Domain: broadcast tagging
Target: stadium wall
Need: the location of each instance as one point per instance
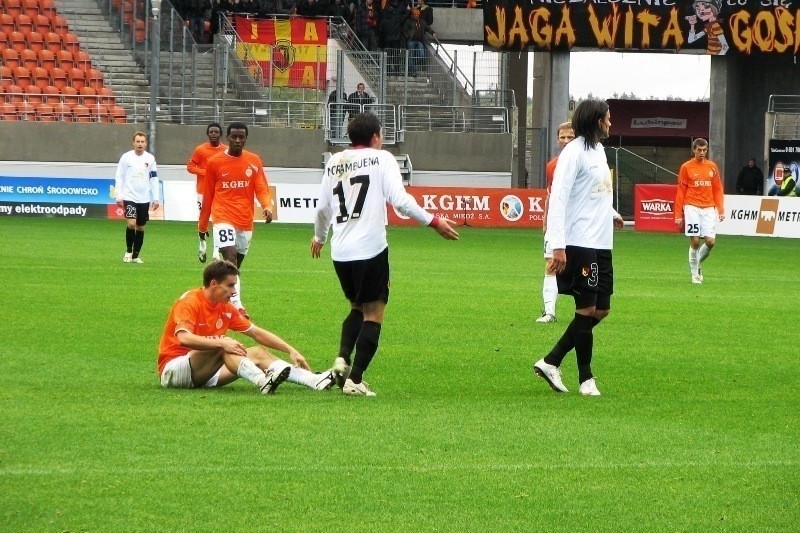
(290, 148)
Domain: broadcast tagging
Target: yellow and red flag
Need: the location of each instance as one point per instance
(291, 52)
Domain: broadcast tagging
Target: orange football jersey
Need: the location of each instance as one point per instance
(197, 163)
(700, 185)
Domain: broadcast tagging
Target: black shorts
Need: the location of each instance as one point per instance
(588, 277)
(366, 280)
(141, 212)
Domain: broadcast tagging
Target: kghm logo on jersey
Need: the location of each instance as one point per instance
(658, 207)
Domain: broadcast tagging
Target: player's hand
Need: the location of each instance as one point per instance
(203, 235)
(267, 215)
(444, 227)
(120, 203)
(298, 360)
(559, 261)
(316, 247)
(155, 205)
(619, 223)
(721, 218)
(679, 222)
(233, 346)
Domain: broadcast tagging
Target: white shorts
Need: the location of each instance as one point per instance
(548, 248)
(178, 374)
(700, 221)
(226, 235)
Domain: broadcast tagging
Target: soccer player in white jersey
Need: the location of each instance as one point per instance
(356, 186)
(136, 185)
(549, 285)
(580, 227)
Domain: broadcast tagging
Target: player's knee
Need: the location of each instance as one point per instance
(710, 242)
(600, 314)
(260, 355)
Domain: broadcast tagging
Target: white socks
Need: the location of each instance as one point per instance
(249, 371)
(694, 264)
(703, 252)
(236, 297)
(549, 294)
(301, 376)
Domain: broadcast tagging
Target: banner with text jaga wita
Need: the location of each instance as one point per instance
(290, 52)
(715, 27)
(484, 207)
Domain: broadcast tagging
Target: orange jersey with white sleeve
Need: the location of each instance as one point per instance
(197, 163)
(193, 312)
(700, 185)
(231, 185)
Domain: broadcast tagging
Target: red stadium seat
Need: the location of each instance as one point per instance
(10, 58)
(94, 78)
(46, 113)
(7, 24)
(81, 113)
(71, 43)
(29, 59)
(22, 77)
(6, 77)
(51, 95)
(58, 78)
(47, 59)
(13, 7)
(8, 111)
(88, 96)
(69, 95)
(106, 96)
(65, 59)
(41, 77)
(53, 42)
(139, 31)
(4, 41)
(63, 112)
(99, 113)
(42, 24)
(24, 24)
(26, 111)
(30, 7)
(59, 25)
(33, 95)
(118, 115)
(47, 8)
(35, 41)
(17, 41)
(15, 94)
(83, 60)
(77, 78)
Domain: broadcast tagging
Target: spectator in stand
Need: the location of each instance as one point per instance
(426, 12)
(312, 8)
(367, 21)
(265, 8)
(285, 7)
(196, 16)
(219, 7)
(415, 29)
(339, 107)
(359, 98)
(393, 17)
(338, 8)
(750, 180)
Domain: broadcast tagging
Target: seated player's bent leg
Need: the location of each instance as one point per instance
(260, 356)
(205, 365)
(178, 374)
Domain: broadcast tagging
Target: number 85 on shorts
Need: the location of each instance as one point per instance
(226, 235)
(700, 221)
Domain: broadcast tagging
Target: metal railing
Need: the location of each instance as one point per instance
(786, 108)
(631, 169)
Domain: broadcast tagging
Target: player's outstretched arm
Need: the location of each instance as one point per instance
(270, 340)
(444, 227)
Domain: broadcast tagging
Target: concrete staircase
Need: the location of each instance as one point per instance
(109, 54)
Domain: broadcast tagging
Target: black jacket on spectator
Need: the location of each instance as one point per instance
(285, 7)
(366, 23)
(393, 17)
(337, 8)
(312, 8)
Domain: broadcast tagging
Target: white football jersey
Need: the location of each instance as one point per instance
(580, 210)
(137, 178)
(356, 186)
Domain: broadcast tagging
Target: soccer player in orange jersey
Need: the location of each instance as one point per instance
(233, 179)
(549, 285)
(197, 166)
(195, 352)
(699, 204)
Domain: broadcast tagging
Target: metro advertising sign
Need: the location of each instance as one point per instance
(714, 27)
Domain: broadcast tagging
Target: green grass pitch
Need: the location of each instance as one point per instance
(697, 429)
